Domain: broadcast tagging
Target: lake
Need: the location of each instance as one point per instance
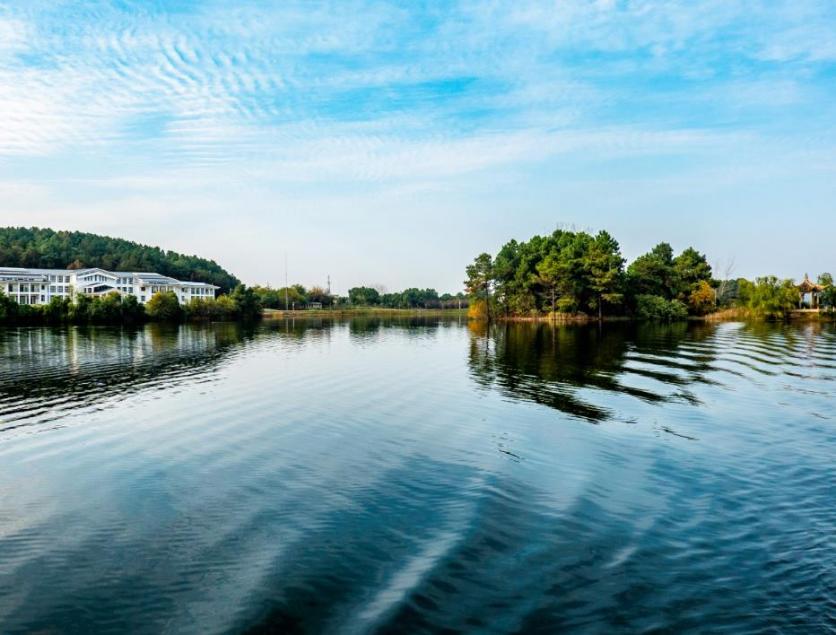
(418, 476)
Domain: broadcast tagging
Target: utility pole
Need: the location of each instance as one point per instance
(286, 305)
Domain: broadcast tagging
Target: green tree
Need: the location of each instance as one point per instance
(247, 304)
(549, 276)
(164, 307)
(654, 273)
(364, 296)
(605, 268)
(690, 268)
(480, 277)
(772, 298)
(654, 307)
(828, 295)
(132, 311)
(8, 308)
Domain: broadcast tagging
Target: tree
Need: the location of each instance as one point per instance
(318, 294)
(654, 273)
(772, 298)
(364, 296)
(165, 307)
(132, 311)
(654, 307)
(828, 295)
(605, 268)
(480, 276)
(702, 299)
(690, 268)
(549, 272)
(247, 304)
(8, 308)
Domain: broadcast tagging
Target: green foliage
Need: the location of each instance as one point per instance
(660, 273)
(654, 307)
(480, 277)
(282, 298)
(576, 271)
(8, 309)
(244, 303)
(605, 267)
(770, 297)
(364, 296)
(247, 303)
(110, 309)
(565, 271)
(828, 296)
(48, 249)
(690, 268)
(164, 307)
(654, 273)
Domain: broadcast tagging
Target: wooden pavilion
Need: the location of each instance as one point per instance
(808, 287)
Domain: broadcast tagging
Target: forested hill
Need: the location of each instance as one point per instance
(48, 249)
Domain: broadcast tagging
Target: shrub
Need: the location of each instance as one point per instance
(654, 307)
(772, 298)
(165, 307)
(478, 310)
(702, 298)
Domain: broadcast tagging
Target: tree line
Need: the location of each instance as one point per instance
(48, 249)
(412, 298)
(577, 272)
(114, 308)
(299, 297)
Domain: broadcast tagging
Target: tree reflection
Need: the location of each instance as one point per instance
(550, 364)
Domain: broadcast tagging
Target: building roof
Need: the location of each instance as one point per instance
(808, 286)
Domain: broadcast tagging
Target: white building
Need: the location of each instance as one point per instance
(39, 286)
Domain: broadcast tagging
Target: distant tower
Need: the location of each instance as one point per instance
(329, 285)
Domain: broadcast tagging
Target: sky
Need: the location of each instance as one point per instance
(388, 143)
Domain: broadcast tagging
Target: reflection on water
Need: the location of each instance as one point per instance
(414, 476)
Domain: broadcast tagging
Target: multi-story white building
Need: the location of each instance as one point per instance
(39, 286)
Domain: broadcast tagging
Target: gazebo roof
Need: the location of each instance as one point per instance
(808, 286)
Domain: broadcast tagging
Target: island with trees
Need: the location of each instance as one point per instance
(572, 276)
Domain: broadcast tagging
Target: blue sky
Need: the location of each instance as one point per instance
(388, 143)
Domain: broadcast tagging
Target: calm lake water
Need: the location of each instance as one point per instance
(418, 476)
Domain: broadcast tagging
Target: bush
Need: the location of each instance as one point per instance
(702, 298)
(165, 307)
(478, 310)
(772, 298)
(654, 307)
(211, 309)
(243, 304)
